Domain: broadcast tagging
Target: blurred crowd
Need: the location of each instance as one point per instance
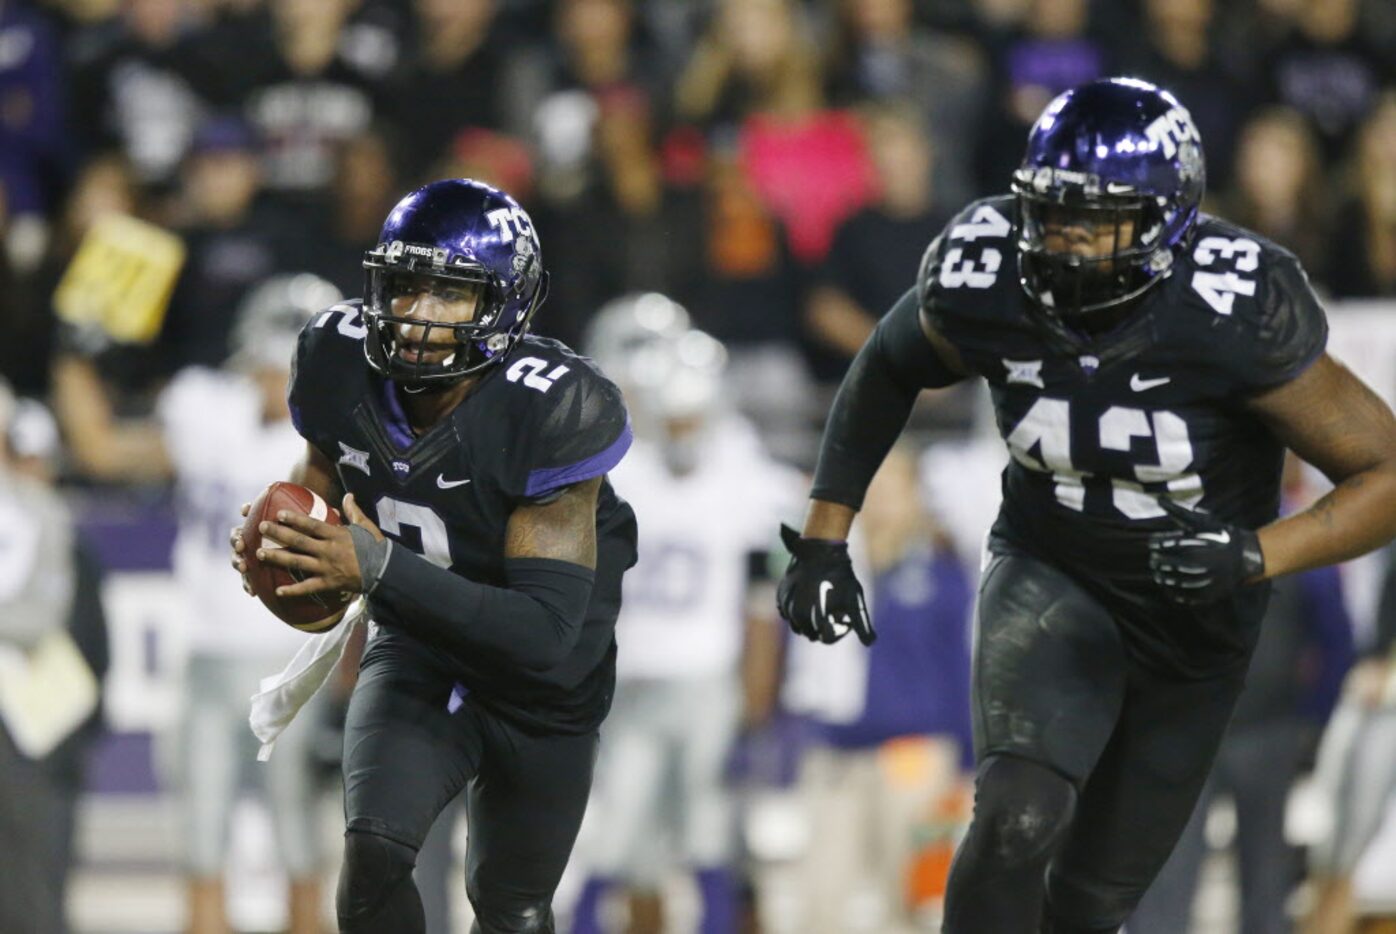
(774, 167)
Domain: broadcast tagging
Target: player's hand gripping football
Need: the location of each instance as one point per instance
(1204, 560)
(820, 596)
(322, 553)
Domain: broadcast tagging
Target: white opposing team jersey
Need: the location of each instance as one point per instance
(685, 601)
(223, 455)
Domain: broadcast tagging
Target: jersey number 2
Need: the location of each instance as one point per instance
(1047, 427)
(393, 514)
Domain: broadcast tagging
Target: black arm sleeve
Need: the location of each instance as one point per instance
(874, 402)
(533, 623)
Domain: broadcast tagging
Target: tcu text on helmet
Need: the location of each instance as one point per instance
(1172, 130)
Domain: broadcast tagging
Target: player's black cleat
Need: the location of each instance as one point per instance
(1205, 559)
(820, 596)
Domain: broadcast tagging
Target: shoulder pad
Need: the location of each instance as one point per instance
(577, 426)
(329, 361)
(1276, 323)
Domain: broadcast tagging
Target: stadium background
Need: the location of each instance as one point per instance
(760, 161)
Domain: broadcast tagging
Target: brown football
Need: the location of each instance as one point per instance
(308, 614)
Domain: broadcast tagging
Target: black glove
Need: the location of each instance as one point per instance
(1206, 559)
(819, 596)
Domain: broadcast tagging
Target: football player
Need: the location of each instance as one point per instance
(225, 434)
(488, 542)
(696, 623)
(1148, 364)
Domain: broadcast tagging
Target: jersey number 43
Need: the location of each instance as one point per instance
(1042, 441)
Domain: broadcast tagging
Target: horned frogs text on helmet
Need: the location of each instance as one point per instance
(270, 318)
(453, 235)
(1115, 155)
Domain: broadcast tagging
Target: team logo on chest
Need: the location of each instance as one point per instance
(401, 468)
(353, 457)
(1026, 372)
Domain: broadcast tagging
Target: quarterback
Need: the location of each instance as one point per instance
(1148, 365)
(488, 541)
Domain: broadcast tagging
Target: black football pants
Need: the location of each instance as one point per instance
(1089, 764)
(406, 756)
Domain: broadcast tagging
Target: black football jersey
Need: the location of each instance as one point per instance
(544, 419)
(1099, 428)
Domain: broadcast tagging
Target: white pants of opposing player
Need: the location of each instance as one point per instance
(660, 803)
(1357, 772)
(216, 754)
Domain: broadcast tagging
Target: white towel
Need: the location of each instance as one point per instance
(282, 695)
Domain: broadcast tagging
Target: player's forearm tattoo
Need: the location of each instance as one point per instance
(1323, 509)
(564, 529)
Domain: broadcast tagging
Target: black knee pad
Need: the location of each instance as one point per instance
(375, 885)
(1021, 810)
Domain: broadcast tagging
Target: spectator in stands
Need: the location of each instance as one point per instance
(1280, 190)
(1363, 261)
(652, 225)
(450, 81)
(365, 183)
(557, 94)
(230, 239)
(1052, 50)
(304, 91)
(1183, 51)
(226, 434)
(23, 316)
(891, 722)
(1357, 770)
(750, 296)
(32, 143)
(139, 86)
(1329, 68)
(758, 71)
(879, 54)
(1295, 675)
(39, 582)
(877, 251)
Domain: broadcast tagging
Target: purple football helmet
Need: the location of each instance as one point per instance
(452, 238)
(1119, 161)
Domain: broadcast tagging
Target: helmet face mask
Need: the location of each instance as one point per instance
(1085, 256)
(1108, 195)
(452, 286)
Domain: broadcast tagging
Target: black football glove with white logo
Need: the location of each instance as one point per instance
(820, 596)
(1205, 559)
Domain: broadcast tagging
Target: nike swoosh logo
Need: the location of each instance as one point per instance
(1139, 385)
(1221, 538)
(445, 484)
(825, 587)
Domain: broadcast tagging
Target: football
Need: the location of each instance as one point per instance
(308, 614)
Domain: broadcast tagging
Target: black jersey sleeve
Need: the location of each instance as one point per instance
(577, 430)
(1282, 331)
(874, 402)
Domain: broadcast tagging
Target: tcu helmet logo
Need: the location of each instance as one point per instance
(1172, 131)
(510, 222)
(393, 253)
